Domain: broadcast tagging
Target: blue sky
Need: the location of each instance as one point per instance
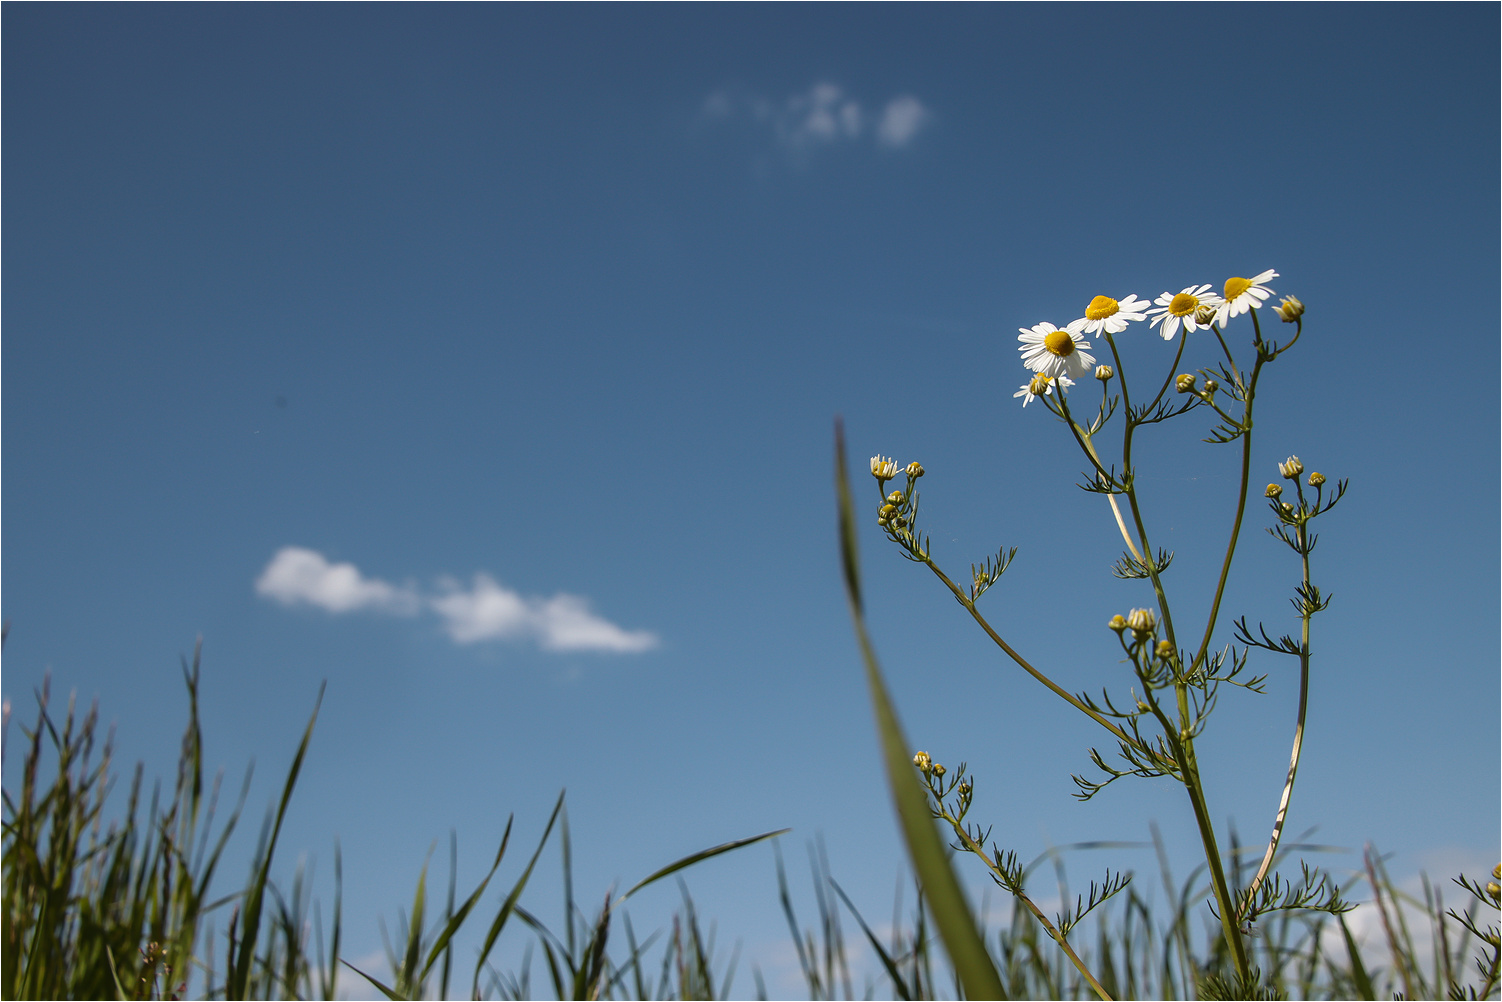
(483, 361)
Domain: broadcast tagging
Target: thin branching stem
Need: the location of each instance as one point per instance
(1063, 694)
(1298, 730)
(1184, 747)
(1043, 919)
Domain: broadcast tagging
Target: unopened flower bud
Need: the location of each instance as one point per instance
(1104, 372)
(1287, 508)
(923, 762)
(1185, 383)
(1273, 490)
(1316, 479)
(1142, 707)
(1211, 386)
(1290, 309)
(882, 468)
(1493, 890)
(914, 470)
(1204, 315)
(895, 497)
(1291, 468)
(1142, 621)
(1165, 649)
(888, 510)
(1118, 622)
(1038, 386)
(900, 521)
(939, 770)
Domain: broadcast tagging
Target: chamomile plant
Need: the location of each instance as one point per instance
(1080, 372)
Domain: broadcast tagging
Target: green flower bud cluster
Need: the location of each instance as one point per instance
(897, 508)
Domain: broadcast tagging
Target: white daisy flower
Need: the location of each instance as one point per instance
(1244, 294)
(1040, 386)
(1183, 308)
(1105, 313)
(883, 469)
(1054, 352)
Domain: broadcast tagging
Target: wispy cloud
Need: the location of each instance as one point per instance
(489, 611)
(901, 121)
(297, 576)
(485, 611)
(824, 115)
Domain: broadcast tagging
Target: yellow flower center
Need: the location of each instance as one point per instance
(1101, 307)
(1038, 385)
(1236, 286)
(1060, 343)
(1184, 304)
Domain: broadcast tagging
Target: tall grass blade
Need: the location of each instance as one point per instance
(509, 906)
(238, 983)
(972, 964)
(699, 857)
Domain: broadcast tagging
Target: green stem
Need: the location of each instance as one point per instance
(1021, 661)
(1298, 734)
(1249, 393)
(1048, 926)
(1184, 747)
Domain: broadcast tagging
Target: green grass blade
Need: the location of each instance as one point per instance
(886, 961)
(516, 892)
(972, 964)
(699, 857)
(1359, 976)
(385, 990)
(456, 918)
(239, 981)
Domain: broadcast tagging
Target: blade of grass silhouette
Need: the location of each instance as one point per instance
(973, 967)
(239, 981)
(509, 905)
(881, 954)
(697, 857)
(1362, 980)
(456, 918)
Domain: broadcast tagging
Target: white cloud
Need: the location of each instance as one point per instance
(490, 611)
(485, 611)
(823, 115)
(300, 576)
(901, 120)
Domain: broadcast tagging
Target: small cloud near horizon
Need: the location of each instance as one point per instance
(486, 611)
(824, 115)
